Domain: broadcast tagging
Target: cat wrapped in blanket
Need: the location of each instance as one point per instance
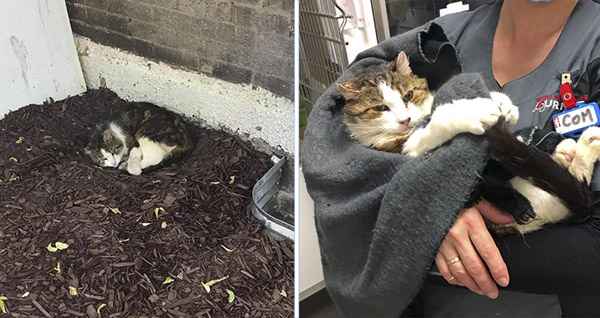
(392, 110)
(139, 137)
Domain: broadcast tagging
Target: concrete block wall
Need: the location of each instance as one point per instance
(240, 41)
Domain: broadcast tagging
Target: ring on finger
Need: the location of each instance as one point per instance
(451, 278)
(454, 260)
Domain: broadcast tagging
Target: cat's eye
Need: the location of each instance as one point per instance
(381, 108)
(408, 96)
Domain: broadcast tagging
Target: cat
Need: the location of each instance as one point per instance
(392, 110)
(578, 157)
(139, 137)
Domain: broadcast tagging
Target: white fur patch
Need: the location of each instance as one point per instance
(153, 153)
(400, 111)
(418, 113)
(509, 111)
(461, 116)
(110, 159)
(117, 132)
(565, 152)
(391, 97)
(587, 153)
(547, 207)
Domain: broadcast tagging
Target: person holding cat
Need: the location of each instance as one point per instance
(390, 160)
(521, 47)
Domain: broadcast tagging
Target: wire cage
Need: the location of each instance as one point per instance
(322, 49)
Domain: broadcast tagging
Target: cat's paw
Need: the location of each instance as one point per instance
(135, 154)
(504, 229)
(524, 216)
(509, 111)
(418, 143)
(516, 228)
(587, 153)
(565, 152)
(590, 138)
(529, 227)
(475, 115)
(412, 149)
(135, 170)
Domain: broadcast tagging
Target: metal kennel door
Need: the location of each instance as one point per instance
(322, 48)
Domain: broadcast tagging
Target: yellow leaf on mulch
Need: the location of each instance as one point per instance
(230, 296)
(61, 246)
(3, 309)
(158, 211)
(168, 280)
(57, 246)
(115, 210)
(213, 282)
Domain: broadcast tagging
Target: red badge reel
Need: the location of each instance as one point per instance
(566, 91)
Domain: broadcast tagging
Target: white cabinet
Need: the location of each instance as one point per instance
(310, 269)
(38, 58)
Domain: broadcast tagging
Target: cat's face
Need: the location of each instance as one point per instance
(382, 109)
(107, 147)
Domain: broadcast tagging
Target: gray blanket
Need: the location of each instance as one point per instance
(381, 216)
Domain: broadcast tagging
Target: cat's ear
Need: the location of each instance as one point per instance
(349, 89)
(401, 64)
(107, 136)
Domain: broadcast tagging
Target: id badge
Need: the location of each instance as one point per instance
(571, 122)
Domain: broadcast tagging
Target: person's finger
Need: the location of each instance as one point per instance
(493, 214)
(488, 251)
(469, 257)
(440, 262)
(477, 271)
(457, 269)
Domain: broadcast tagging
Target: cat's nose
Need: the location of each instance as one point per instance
(404, 121)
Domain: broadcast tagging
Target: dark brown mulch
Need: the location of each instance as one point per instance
(119, 254)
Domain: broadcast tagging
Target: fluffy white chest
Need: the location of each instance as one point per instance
(152, 153)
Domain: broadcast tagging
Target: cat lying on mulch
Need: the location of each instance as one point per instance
(140, 137)
(391, 111)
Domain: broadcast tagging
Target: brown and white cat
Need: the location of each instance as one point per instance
(140, 137)
(391, 110)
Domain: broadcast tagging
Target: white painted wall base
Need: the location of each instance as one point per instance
(253, 111)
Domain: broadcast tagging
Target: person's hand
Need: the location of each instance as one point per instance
(468, 253)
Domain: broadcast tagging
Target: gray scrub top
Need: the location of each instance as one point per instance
(537, 96)
(577, 51)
